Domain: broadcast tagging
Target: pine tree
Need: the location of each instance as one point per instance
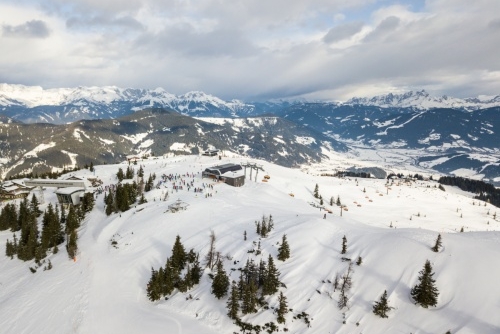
(316, 191)
(381, 307)
(34, 206)
(179, 256)
(282, 308)
(220, 284)
(321, 200)
(120, 175)
(168, 279)
(142, 200)
(72, 246)
(109, 200)
(344, 245)
(91, 167)
(196, 271)
(249, 298)
(271, 281)
(140, 173)
(233, 304)
(284, 249)
(338, 201)
(72, 221)
(425, 292)
(438, 244)
(332, 201)
(153, 288)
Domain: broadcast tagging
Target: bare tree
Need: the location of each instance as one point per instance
(210, 258)
(345, 285)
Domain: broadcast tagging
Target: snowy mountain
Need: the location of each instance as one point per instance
(390, 227)
(42, 147)
(65, 105)
(423, 101)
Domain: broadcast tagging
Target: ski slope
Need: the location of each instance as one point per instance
(104, 290)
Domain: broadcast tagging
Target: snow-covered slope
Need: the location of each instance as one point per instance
(104, 290)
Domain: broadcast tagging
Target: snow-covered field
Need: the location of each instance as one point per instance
(104, 291)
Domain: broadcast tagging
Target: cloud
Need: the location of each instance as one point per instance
(30, 29)
(256, 49)
(104, 22)
(387, 26)
(341, 32)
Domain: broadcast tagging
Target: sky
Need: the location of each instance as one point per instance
(255, 50)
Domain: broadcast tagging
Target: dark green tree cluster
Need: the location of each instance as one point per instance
(182, 271)
(485, 191)
(88, 202)
(284, 249)
(244, 295)
(129, 173)
(31, 245)
(121, 198)
(316, 191)
(265, 226)
(425, 292)
(148, 186)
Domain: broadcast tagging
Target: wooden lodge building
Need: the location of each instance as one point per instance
(231, 174)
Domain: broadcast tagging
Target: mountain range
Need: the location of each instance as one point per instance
(449, 135)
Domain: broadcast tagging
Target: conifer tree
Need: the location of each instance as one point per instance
(72, 246)
(142, 200)
(282, 308)
(34, 206)
(153, 287)
(140, 173)
(271, 281)
(109, 200)
(316, 191)
(284, 249)
(196, 271)
(381, 307)
(168, 279)
(332, 201)
(179, 256)
(120, 175)
(91, 167)
(425, 292)
(338, 201)
(344, 245)
(220, 284)
(321, 200)
(438, 244)
(263, 229)
(257, 225)
(233, 304)
(249, 298)
(72, 221)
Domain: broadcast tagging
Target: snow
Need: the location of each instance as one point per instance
(181, 147)
(305, 140)
(104, 290)
(137, 137)
(106, 141)
(39, 148)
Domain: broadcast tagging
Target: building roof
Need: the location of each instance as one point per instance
(221, 169)
(69, 190)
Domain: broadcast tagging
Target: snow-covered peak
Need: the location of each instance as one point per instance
(423, 100)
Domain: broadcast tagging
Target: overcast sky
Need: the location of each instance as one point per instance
(255, 49)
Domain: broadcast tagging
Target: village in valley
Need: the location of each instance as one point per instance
(352, 238)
